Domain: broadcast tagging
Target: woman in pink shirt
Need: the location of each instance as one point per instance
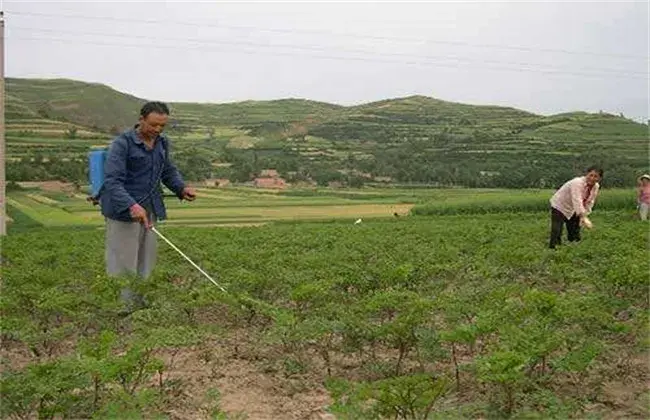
(643, 196)
(572, 203)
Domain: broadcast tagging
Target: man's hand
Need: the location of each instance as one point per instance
(189, 194)
(139, 214)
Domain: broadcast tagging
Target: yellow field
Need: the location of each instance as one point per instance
(276, 213)
(214, 207)
(242, 142)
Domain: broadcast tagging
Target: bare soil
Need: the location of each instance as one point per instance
(251, 385)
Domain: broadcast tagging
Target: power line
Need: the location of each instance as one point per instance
(319, 48)
(328, 33)
(330, 57)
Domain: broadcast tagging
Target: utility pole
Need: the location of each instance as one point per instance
(3, 184)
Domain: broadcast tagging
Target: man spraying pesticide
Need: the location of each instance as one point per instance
(130, 196)
(125, 182)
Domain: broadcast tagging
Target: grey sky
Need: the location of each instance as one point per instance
(502, 53)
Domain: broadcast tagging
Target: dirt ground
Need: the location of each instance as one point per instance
(53, 186)
(250, 380)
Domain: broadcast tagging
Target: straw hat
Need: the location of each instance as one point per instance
(646, 176)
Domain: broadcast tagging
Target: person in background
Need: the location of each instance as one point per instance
(131, 200)
(572, 203)
(643, 196)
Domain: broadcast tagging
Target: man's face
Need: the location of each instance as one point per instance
(592, 178)
(153, 124)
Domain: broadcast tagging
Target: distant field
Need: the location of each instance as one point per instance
(246, 206)
(213, 207)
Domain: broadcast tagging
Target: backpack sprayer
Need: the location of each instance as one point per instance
(96, 160)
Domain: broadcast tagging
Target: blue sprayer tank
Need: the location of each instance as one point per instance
(96, 161)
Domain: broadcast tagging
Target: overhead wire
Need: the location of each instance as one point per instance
(320, 48)
(620, 75)
(221, 25)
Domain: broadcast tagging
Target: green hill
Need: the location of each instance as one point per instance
(88, 104)
(415, 139)
(251, 112)
(425, 110)
(97, 105)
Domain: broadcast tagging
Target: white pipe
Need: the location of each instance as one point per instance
(187, 258)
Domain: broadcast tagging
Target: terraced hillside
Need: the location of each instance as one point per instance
(408, 140)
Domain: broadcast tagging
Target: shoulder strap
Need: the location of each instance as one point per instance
(162, 168)
(165, 148)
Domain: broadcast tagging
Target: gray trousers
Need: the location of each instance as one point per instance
(130, 250)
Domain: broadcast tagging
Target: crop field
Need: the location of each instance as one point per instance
(454, 310)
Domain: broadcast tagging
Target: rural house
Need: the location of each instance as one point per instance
(269, 178)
